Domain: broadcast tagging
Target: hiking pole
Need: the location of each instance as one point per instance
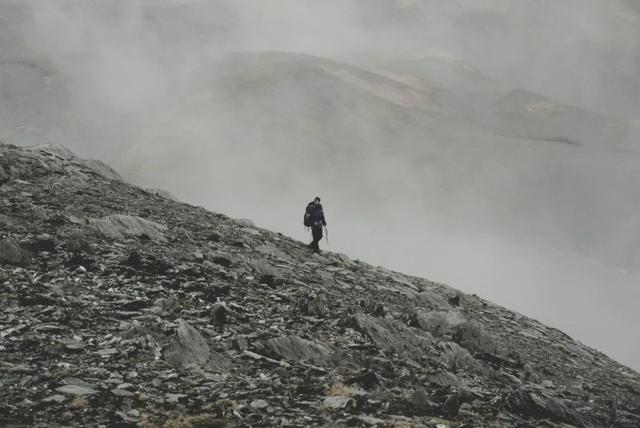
(326, 231)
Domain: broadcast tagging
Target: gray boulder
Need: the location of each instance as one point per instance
(439, 323)
(12, 253)
(455, 358)
(538, 405)
(472, 337)
(294, 348)
(120, 226)
(393, 337)
(188, 349)
(64, 154)
(432, 299)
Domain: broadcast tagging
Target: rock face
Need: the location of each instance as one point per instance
(12, 253)
(70, 160)
(122, 308)
(188, 348)
(119, 226)
(293, 348)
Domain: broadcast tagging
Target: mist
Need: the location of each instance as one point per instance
(490, 145)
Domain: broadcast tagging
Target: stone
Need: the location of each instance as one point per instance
(220, 313)
(273, 251)
(120, 226)
(122, 393)
(294, 348)
(457, 300)
(268, 279)
(175, 398)
(107, 352)
(542, 406)
(77, 244)
(76, 390)
(259, 404)
(432, 299)
(164, 306)
(245, 222)
(367, 380)
(455, 357)
(54, 149)
(371, 421)
(313, 305)
(262, 267)
(72, 344)
(444, 380)
(439, 323)
(454, 402)
(12, 253)
(101, 169)
(187, 348)
(56, 398)
(421, 403)
(213, 237)
(61, 152)
(471, 336)
(134, 260)
(222, 260)
(392, 336)
(337, 402)
(41, 244)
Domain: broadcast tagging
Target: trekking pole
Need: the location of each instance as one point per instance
(326, 231)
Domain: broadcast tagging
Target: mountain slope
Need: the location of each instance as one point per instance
(123, 307)
(475, 149)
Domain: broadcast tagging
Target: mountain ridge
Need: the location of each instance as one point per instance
(123, 307)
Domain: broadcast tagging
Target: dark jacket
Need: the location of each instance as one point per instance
(316, 213)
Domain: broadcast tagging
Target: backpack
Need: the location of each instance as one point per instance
(307, 219)
(313, 215)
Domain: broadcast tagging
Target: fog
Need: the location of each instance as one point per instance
(491, 145)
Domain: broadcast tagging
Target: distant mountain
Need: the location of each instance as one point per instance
(122, 307)
(584, 53)
(511, 112)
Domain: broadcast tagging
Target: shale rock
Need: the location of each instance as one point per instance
(439, 323)
(119, 226)
(539, 405)
(393, 337)
(12, 253)
(293, 348)
(189, 349)
(123, 308)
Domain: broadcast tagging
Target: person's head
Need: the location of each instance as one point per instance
(316, 200)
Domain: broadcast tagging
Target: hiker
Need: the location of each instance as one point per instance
(314, 218)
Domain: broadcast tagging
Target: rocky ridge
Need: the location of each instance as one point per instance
(123, 307)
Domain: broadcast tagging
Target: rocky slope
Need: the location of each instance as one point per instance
(122, 307)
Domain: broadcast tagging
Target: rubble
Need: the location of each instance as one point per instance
(294, 348)
(123, 308)
(188, 348)
(11, 252)
(119, 226)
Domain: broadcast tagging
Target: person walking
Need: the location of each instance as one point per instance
(314, 218)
